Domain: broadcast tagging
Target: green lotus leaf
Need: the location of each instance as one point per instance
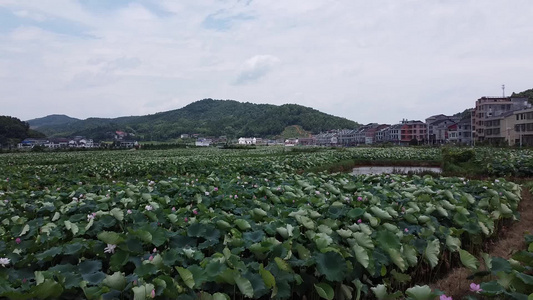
(306, 222)
(268, 278)
(242, 224)
(196, 230)
(390, 227)
(400, 277)
(26, 228)
(325, 291)
(410, 254)
(74, 248)
(492, 288)
(350, 187)
(361, 255)
(49, 254)
(90, 266)
(387, 239)
(431, 252)
(110, 237)
(220, 296)
(116, 281)
(344, 233)
(146, 269)
(499, 264)
(397, 258)
(143, 235)
(282, 265)
(380, 213)
(47, 289)
(142, 292)
(355, 213)
(420, 293)
(363, 240)
(245, 286)
(223, 225)
(325, 229)
(380, 291)
(94, 278)
(70, 226)
(254, 236)
(117, 213)
(118, 259)
(332, 265)
(527, 279)
(468, 260)
(303, 252)
(186, 276)
(453, 243)
(258, 212)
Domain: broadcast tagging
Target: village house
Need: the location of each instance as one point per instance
(203, 142)
(489, 108)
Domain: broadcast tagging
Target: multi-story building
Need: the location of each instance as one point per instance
(393, 134)
(413, 130)
(489, 109)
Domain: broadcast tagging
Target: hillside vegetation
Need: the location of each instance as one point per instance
(206, 117)
(13, 130)
(526, 94)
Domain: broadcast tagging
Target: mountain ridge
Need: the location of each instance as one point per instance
(207, 117)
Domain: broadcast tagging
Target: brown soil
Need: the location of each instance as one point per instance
(457, 285)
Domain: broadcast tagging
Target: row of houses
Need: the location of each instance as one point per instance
(77, 142)
(57, 143)
(493, 120)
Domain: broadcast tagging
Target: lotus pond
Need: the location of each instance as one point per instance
(221, 224)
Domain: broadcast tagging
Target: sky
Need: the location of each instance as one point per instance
(368, 61)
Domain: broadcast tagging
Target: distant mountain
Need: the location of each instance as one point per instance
(51, 120)
(206, 117)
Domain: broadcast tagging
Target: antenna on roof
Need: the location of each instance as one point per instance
(503, 90)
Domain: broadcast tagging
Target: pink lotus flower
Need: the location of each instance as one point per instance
(152, 294)
(129, 211)
(359, 221)
(215, 189)
(151, 258)
(18, 240)
(195, 212)
(444, 297)
(173, 209)
(406, 230)
(186, 219)
(475, 287)
(155, 250)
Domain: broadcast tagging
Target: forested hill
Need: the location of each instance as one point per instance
(526, 94)
(51, 120)
(207, 117)
(13, 130)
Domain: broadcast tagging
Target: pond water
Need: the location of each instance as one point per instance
(393, 170)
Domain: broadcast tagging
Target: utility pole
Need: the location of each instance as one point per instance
(503, 90)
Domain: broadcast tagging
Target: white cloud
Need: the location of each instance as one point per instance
(369, 61)
(256, 67)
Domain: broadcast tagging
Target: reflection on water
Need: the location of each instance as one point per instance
(394, 170)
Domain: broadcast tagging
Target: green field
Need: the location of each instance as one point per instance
(233, 224)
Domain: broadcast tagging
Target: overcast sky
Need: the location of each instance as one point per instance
(368, 61)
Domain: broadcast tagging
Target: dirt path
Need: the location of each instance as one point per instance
(456, 283)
